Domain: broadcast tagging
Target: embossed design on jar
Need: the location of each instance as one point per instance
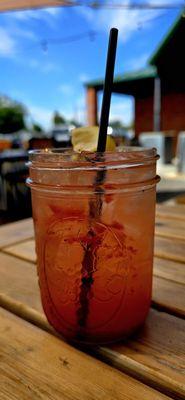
(64, 249)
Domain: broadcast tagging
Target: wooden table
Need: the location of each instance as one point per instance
(36, 364)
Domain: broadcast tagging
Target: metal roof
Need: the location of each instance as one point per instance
(9, 5)
(151, 70)
(180, 19)
(145, 73)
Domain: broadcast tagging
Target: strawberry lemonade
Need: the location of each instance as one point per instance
(94, 239)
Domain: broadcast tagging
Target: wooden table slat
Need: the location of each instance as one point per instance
(154, 356)
(16, 232)
(151, 351)
(19, 281)
(14, 297)
(169, 296)
(170, 270)
(170, 228)
(164, 247)
(170, 249)
(37, 365)
(24, 250)
(171, 212)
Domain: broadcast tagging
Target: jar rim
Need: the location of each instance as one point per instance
(66, 158)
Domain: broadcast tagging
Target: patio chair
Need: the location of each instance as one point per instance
(154, 139)
(5, 144)
(15, 193)
(40, 143)
(181, 152)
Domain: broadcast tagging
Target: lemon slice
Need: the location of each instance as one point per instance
(86, 139)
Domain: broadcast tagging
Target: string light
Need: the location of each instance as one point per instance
(45, 43)
(132, 5)
(91, 34)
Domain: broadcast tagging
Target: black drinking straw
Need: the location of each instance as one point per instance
(107, 90)
(95, 205)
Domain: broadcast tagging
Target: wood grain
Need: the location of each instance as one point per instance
(24, 250)
(172, 212)
(156, 355)
(28, 307)
(170, 270)
(19, 281)
(170, 228)
(16, 232)
(165, 245)
(37, 365)
(24, 287)
(150, 353)
(170, 249)
(169, 296)
(161, 368)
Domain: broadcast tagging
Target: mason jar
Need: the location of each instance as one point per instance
(94, 229)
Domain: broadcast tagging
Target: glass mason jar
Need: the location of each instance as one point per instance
(94, 229)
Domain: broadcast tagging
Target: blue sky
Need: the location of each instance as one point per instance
(46, 74)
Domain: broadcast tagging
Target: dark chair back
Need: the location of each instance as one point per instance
(40, 143)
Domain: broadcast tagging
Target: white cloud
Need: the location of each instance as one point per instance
(48, 15)
(23, 33)
(136, 63)
(44, 115)
(122, 108)
(83, 77)
(49, 66)
(32, 63)
(10, 43)
(80, 101)
(41, 115)
(126, 116)
(66, 89)
(43, 66)
(163, 2)
(126, 20)
(54, 11)
(7, 43)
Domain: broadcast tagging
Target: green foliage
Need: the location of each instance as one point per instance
(75, 123)
(58, 118)
(37, 128)
(118, 124)
(11, 116)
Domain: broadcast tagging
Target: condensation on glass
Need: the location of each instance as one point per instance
(94, 229)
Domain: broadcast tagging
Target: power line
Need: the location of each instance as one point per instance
(45, 43)
(130, 6)
(73, 38)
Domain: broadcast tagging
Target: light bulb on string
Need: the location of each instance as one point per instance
(92, 36)
(44, 46)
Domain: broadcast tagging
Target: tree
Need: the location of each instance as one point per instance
(37, 128)
(116, 124)
(58, 118)
(12, 115)
(75, 123)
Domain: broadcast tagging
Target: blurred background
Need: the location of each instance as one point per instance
(52, 61)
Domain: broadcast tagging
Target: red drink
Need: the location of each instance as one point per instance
(95, 268)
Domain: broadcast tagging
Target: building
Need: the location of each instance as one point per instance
(158, 90)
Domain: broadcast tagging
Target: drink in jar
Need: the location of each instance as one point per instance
(94, 241)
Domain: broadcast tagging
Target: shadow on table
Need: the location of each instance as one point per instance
(164, 196)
